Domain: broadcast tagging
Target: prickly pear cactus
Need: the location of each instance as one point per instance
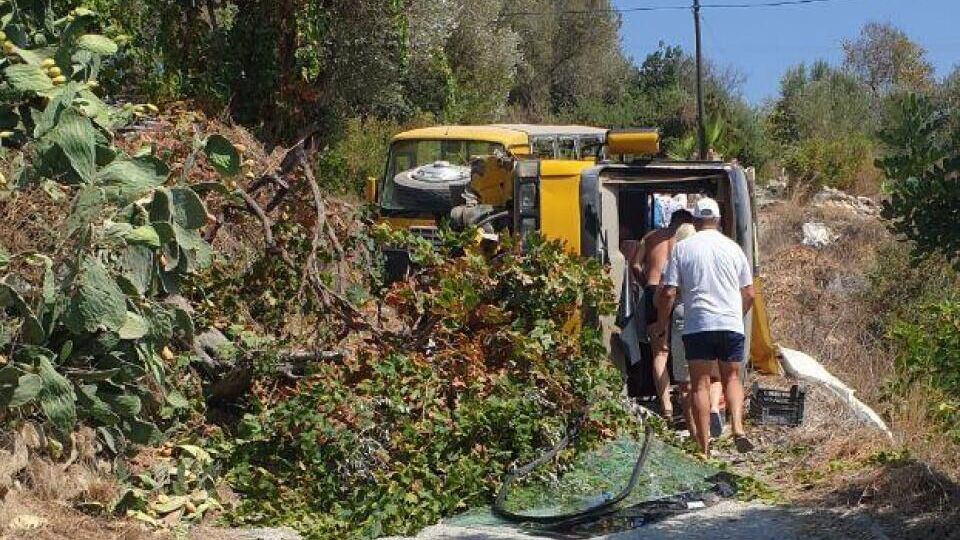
(91, 342)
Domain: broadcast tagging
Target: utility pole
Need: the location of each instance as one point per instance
(701, 129)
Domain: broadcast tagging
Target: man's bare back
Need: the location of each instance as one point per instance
(651, 259)
(649, 263)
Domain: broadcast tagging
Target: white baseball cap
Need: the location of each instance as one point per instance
(706, 208)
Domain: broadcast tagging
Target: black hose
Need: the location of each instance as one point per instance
(601, 509)
(491, 217)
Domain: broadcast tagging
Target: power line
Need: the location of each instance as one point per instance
(596, 11)
(766, 4)
(743, 5)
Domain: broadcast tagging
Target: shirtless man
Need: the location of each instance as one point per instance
(648, 264)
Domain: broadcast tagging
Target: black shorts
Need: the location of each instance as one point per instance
(721, 345)
(649, 307)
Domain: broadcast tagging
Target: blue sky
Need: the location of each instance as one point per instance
(762, 42)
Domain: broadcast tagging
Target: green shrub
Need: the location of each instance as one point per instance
(912, 133)
(820, 161)
(915, 302)
(921, 167)
(360, 152)
(899, 282)
(928, 354)
(424, 424)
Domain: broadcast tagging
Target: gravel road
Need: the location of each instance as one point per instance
(728, 520)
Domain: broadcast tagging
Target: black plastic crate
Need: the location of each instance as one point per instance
(777, 407)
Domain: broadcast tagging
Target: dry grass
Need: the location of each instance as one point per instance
(817, 304)
(867, 181)
(813, 295)
(38, 502)
(32, 222)
(60, 522)
(47, 489)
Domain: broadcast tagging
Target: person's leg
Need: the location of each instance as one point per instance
(716, 390)
(733, 390)
(716, 394)
(733, 355)
(661, 377)
(686, 401)
(700, 398)
(658, 345)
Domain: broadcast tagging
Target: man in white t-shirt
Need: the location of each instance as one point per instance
(715, 283)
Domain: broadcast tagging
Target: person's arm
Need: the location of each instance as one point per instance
(747, 294)
(636, 262)
(745, 276)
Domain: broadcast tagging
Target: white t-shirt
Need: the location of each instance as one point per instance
(709, 270)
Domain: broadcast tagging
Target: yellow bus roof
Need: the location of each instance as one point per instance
(506, 134)
(550, 129)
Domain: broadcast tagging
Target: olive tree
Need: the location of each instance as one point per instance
(883, 57)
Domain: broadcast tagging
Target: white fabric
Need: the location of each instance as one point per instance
(680, 200)
(706, 208)
(672, 204)
(803, 366)
(709, 270)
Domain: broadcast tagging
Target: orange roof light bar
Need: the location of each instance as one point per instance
(641, 141)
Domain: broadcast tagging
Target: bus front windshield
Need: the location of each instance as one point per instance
(409, 154)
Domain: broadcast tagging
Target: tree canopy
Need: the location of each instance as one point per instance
(883, 57)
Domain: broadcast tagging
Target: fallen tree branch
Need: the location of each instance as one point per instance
(302, 357)
(354, 318)
(264, 179)
(357, 317)
(262, 216)
(296, 152)
(321, 218)
(320, 207)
